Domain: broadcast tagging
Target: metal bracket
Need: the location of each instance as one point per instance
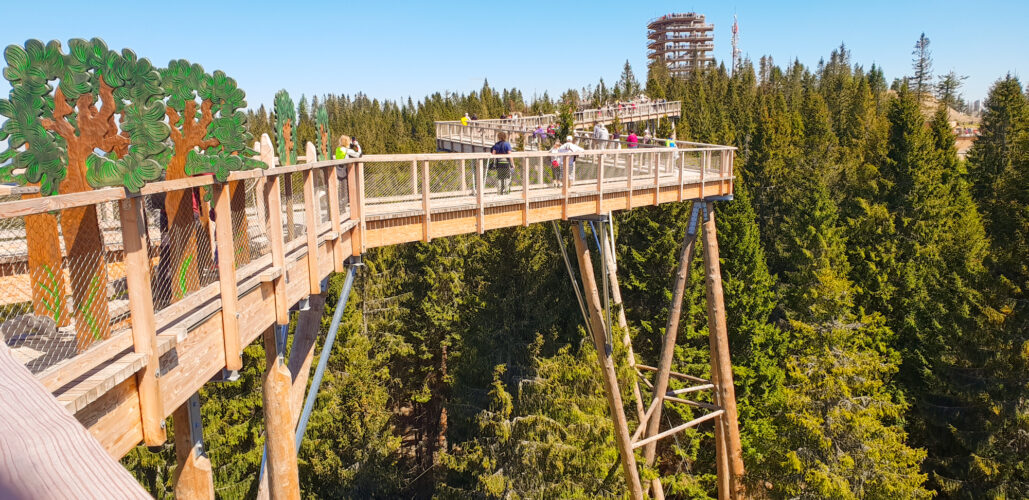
(355, 260)
(589, 218)
(196, 425)
(727, 197)
(226, 376)
(695, 216)
(281, 333)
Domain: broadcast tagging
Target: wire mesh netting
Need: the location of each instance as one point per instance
(322, 195)
(294, 223)
(62, 282)
(392, 184)
(180, 239)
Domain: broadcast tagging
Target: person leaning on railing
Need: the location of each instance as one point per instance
(344, 151)
(502, 164)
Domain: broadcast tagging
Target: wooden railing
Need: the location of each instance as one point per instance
(281, 231)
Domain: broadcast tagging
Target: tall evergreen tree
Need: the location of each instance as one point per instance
(921, 81)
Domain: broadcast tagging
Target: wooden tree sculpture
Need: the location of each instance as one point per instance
(324, 138)
(229, 152)
(286, 141)
(61, 134)
(208, 137)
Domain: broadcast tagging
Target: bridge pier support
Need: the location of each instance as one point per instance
(664, 365)
(727, 432)
(283, 474)
(193, 479)
(607, 365)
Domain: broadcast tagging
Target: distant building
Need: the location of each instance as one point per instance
(681, 41)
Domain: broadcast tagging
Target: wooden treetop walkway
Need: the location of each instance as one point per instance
(289, 227)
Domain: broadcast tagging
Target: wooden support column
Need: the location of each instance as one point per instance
(311, 220)
(664, 365)
(600, 185)
(282, 471)
(720, 354)
(616, 296)
(273, 199)
(227, 277)
(301, 354)
(607, 367)
(335, 213)
(144, 329)
(355, 187)
(426, 192)
(193, 479)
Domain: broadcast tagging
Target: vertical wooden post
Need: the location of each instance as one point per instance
(193, 479)
(607, 367)
(729, 169)
(464, 181)
(283, 474)
(227, 277)
(664, 366)
(480, 186)
(564, 188)
(539, 172)
(657, 176)
(262, 209)
(414, 177)
(720, 355)
(681, 158)
(525, 190)
(273, 199)
(629, 168)
(356, 200)
(600, 185)
(311, 219)
(144, 328)
(705, 160)
(426, 193)
(332, 191)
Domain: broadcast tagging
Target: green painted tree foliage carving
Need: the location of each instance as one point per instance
(285, 128)
(228, 128)
(324, 135)
(215, 126)
(63, 128)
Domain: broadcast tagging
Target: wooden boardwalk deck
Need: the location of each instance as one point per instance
(196, 338)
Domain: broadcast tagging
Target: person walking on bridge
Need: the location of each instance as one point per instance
(600, 136)
(632, 140)
(464, 120)
(570, 147)
(503, 164)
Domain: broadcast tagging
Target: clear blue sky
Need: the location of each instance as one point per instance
(405, 49)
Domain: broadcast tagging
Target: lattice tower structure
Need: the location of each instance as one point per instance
(682, 41)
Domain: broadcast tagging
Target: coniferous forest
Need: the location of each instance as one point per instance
(876, 287)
